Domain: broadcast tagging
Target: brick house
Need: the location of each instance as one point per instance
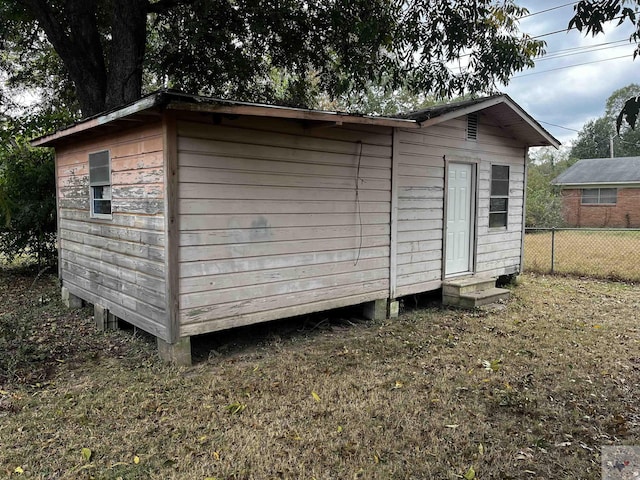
(601, 192)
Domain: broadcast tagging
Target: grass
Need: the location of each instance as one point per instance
(606, 254)
(529, 390)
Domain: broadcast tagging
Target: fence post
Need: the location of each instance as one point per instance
(553, 247)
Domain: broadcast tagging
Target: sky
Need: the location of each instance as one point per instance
(557, 91)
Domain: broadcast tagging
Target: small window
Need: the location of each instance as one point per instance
(472, 126)
(599, 196)
(499, 200)
(100, 184)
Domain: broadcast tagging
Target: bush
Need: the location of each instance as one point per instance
(27, 203)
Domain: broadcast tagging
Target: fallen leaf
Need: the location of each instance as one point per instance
(236, 407)
(315, 396)
(339, 428)
(493, 365)
(87, 454)
(136, 459)
(398, 385)
(481, 449)
(19, 470)
(563, 444)
(471, 474)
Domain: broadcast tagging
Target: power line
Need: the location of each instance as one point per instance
(581, 52)
(547, 10)
(559, 126)
(570, 66)
(588, 46)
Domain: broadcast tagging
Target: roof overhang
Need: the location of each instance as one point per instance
(598, 185)
(154, 103)
(508, 115)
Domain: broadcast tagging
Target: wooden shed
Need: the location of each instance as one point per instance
(184, 215)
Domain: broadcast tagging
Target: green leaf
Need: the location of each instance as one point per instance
(470, 475)
(87, 454)
(493, 365)
(236, 407)
(315, 396)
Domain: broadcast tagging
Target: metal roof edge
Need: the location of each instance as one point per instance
(145, 103)
(180, 101)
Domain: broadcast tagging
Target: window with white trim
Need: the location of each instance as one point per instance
(100, 184)
(599, 196)
(499, 199)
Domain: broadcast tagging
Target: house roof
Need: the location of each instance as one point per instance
(592, 171)
(509, 115)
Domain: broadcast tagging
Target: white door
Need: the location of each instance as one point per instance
(459, 221)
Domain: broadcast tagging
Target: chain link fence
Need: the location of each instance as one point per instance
(597, 252)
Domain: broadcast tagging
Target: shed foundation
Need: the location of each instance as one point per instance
(178, 353)
(70, 300)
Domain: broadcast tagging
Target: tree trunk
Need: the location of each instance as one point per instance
(126, 53)
(73, 30)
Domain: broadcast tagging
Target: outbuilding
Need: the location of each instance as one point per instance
(184, 215)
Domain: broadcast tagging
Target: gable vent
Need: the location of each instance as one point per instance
(472, 126)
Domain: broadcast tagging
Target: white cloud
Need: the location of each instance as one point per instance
(571, 95)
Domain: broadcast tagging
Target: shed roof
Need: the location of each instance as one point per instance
(510, 116)
(591, 171)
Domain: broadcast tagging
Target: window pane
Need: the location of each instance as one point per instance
(500, 187)
(102, 207)
(498, 205)
(608, 195)
(497, 220)
(102, 192)
(101, 197)
(590, 195)
(500, 180)
(500, 172)
(99, 168)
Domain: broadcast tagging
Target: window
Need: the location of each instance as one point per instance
(499, 200)
(472, 126)
(599, 196)
(100, 184)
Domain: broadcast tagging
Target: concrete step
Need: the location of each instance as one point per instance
(463, 285)
(477, 299)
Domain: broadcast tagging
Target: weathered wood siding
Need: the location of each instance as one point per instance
(421, 200)
(279, 220)
(498, 249)
(117, 262)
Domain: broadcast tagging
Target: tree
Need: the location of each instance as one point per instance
(595, 137)
(27, 202)
(27, 181)
(591, 16)
(593, 140)
(544, 204)
(108, 49)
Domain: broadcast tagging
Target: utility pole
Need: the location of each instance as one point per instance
(611, 145)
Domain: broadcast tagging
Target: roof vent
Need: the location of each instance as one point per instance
(472, 126)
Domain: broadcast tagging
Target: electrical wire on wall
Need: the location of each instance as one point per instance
(358, 209)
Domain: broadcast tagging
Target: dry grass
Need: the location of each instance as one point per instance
(606, 254)
(410, 398)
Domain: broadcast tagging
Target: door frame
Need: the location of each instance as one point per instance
(473, 223)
